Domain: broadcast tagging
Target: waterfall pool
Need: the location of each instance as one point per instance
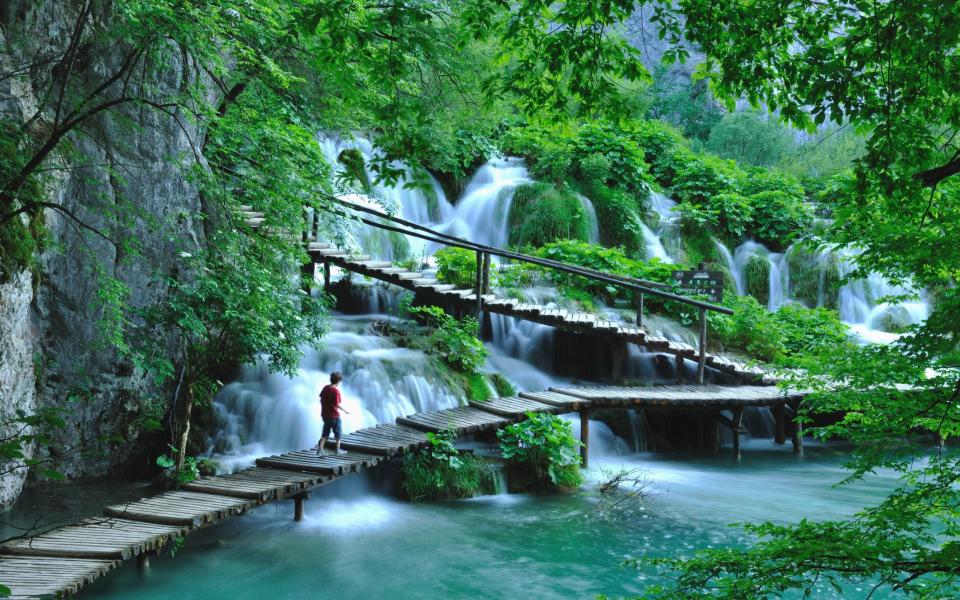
(357, 544)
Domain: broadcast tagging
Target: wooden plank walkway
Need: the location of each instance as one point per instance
(576, 322)
(61, 561)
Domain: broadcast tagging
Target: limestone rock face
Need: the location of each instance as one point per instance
(126, 162)
(17, 381)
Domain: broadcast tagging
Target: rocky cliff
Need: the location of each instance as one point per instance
(121, 174)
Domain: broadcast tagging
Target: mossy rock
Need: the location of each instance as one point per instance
(757, 278)
(503, 387)
(542, 213)
(808, 271)
(895, 319)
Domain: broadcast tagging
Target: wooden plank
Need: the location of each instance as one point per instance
(190, 509)
(41, 576)
(107, 539)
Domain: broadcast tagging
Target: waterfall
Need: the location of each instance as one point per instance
(667, 228)
(861, 304)
(264, 413)
(482, 213)
(593, 224)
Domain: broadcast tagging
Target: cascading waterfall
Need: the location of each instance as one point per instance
(264, 413)
(482, 213)
(667, 229)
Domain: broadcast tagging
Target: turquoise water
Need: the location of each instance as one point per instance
(356, 544)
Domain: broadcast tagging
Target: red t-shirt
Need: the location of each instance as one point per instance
(329, 401)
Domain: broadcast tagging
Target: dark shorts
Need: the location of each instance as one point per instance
(333, 425)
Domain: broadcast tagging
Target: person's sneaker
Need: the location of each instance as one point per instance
(341, 451)
(320, 451)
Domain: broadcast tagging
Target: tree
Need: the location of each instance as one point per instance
(889, 70)
(749, 137)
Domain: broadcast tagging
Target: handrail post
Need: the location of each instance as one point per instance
(478, 284)
(702, 359)
(640, 312)
(486, 273)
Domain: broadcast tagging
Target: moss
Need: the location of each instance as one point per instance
(502, 386)
(477, 387)
(811, 270)
(542, 213)
(757, 278)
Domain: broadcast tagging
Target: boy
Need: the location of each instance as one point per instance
(330, 411)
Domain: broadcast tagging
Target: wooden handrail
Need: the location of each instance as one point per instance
(425, 233)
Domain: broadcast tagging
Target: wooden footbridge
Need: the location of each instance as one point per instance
(59, 562)
(479, 298)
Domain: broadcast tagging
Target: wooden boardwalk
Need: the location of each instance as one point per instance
(61, 561)
(573, 321)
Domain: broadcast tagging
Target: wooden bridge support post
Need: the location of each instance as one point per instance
(326, 275)
(780, 423)
(584, 438)
(735, 429)
(797, 437)
(143, 561)
(640, 311)
(298, 505)
(478, 285)
(307, 274)
(485, 282)
(681, 369)
(702, 357)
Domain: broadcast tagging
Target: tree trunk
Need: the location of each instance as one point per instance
(185, 429)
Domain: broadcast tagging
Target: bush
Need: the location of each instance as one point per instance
(623, 158)
(729, 215)
(456, 342)
(698, 178)
(750, 137)
(540, 213)
(457, 266)
(811, 270)
(542, 453)
(441, 472)
(757, 278)
(609, 260)
(782, 337)
(779, 218)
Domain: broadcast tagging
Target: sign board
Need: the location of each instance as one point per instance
(705, 283)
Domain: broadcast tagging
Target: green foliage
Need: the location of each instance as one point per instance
(502, 385)
(751, 138)
(457, 266)
(779, 218)
(729, 215)
(757, 278)
(813, 275)
(684, 103)
(456, 342)
(440, 471)
(543, 449)
(25, 433)
(697, 178)
(785, 337)
(187, 471)
(541, 213)
(610, 260)
(622, 159)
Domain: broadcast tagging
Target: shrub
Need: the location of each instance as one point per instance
(625, 159)
(779, 218)
(440, 471)
(782, 337)
(542, 452)
(456, 342)
(728, 215)
(540, 213)
(502, 385)
(750, 137)
(457, 266)
(698, 178)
